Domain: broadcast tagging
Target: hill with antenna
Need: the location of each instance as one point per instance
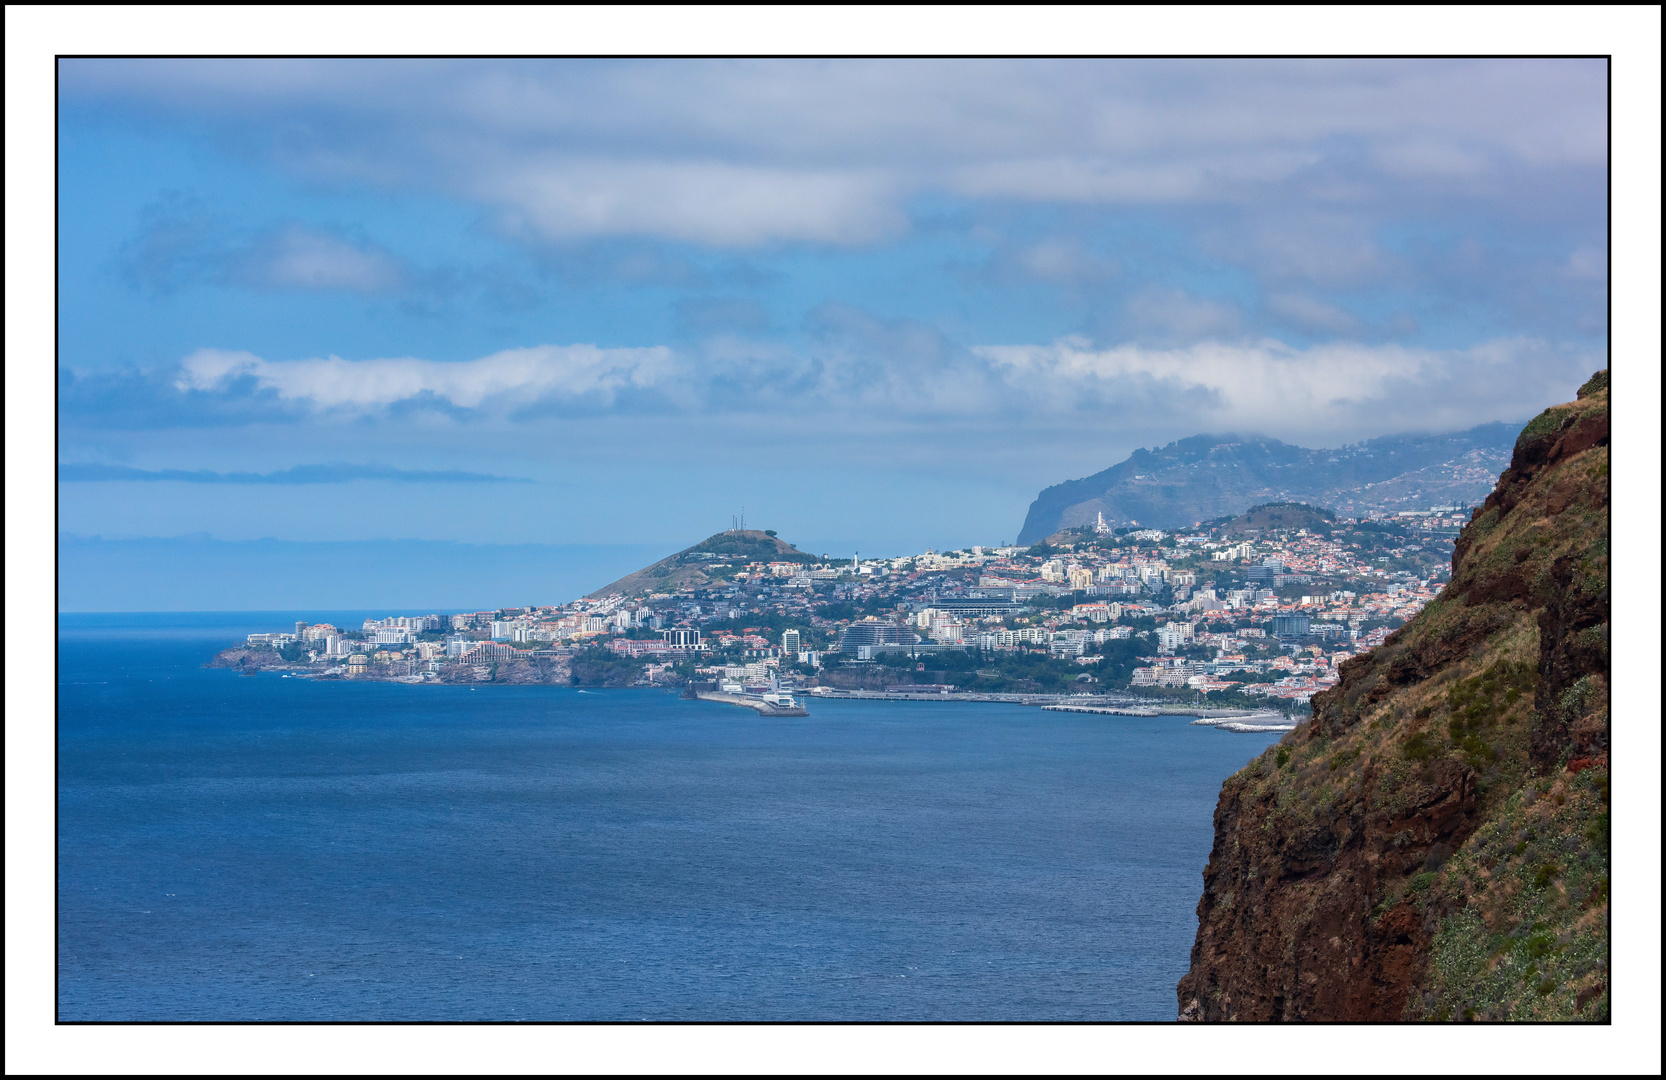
(716, 558)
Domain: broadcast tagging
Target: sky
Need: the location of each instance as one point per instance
(878, 304)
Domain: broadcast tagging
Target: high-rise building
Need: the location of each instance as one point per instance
(1290, 625)
(790, 641)
(874, 633)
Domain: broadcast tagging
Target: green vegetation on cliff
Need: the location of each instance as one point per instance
(1433, 844)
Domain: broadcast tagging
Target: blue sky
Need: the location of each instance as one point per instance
(880, 304)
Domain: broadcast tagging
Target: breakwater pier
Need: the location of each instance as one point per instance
(754, 701)
(1248, 722)
(1106, 705)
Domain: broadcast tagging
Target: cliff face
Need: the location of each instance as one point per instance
(1433, 843)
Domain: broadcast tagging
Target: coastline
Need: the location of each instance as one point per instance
(1244, 721)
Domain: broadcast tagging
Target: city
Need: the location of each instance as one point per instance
(1237, 611)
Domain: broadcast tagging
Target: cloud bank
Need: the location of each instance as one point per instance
(751, 152)
(511, 376)
(861, 370)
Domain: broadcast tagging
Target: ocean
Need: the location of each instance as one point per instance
(265, 848)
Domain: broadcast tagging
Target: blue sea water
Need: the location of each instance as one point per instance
(280, 849)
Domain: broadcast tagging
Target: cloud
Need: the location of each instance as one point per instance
(750, 152)
(95, 403)
(299, 474)
(863, 363)
(1063, 261)
(1311, 314)
(1322, 247)
(1175, 315)
(1268, 386)
(181, 240)
(856, 370)
(511, 377)
(297, 257)
(701, 202)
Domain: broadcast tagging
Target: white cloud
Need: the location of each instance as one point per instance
(860, 370)
(755, 151)
(703, 202)
(302, 258)
(1342, 389)
(511, 377)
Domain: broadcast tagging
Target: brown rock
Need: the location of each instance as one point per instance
(1317, 901)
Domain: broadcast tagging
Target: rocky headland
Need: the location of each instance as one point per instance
(1433, 843)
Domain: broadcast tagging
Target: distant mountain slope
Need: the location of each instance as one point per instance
(1212, 476)
(705, 562)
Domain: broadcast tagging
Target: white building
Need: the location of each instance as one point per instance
(1171, 636)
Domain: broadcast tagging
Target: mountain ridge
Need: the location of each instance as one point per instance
(1204, 477)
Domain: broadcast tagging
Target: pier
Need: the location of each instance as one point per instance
(1248, 722)
(752, 701)
(1107, 710)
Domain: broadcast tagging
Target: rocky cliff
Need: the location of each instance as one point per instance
(1433, 843)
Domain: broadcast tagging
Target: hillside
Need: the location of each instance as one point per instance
(716, 557)
(1270, 516)
(1212, 476)
(1433, 843)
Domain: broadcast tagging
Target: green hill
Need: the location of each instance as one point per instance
(715, 558)
(1270, 517)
